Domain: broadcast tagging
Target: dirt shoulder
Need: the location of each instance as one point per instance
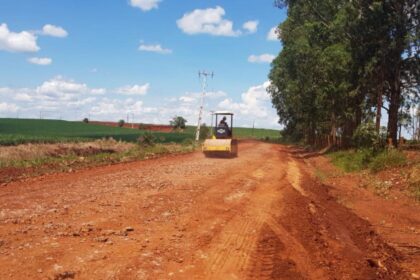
(383, 199)
(259, 216)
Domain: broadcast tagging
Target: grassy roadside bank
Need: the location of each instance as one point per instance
(382, 172)
(357, 160)
(38, 159)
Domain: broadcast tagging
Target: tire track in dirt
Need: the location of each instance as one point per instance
(231, 251)
(252, 244)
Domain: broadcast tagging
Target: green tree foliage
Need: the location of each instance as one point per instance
(340, 61)
(178, 122)
(204, 131)
(121, 123)
(366, 136)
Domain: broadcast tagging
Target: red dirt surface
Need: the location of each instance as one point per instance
(393, 214)
(152, 127)
(259, 216)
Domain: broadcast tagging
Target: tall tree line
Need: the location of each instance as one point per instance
(342, 63)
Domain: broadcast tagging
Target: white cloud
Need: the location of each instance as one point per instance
(54, 31)
(40, 60)
(187, 99)
(117, 108)
(273, 34)
(255, 104)
(216, 94)
(59, 86)
(145, 5)
(191, 97)
(134, 90)
(251, 26)
(154, 48)
(17, 42)
(207, 21)
(60, 97)
(8, 107)
(263, 58)
(98, 91)
(23, 97)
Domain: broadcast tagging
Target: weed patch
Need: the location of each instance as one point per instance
(351, 161)
(357, 160)
(387, 159)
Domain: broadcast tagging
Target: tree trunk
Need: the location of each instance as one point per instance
(394, 105)
(334, 129)
(379, 103)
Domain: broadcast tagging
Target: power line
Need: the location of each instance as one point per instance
(202, 75)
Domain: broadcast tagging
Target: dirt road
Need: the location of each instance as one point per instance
(258, 216)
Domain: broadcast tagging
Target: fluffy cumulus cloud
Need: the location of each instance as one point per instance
(8, 107)
(251, 26)
(62, 97)
(154, 48)
(98, 91)
(194, 97)
(263, 58)
(207, 21)
(134, 90)
(255, 105)
(59, 86)
(56, 94)
(114, 109)
(273, 34)
(40, 60)
(54, 31)
(23, 41)
(145, 5)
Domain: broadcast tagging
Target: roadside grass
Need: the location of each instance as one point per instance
(69, 157)
(357, 160)
(351, 160)
(387, 159)
(70, 160)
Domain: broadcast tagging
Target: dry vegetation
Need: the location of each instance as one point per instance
(27, 160)
(37, 151)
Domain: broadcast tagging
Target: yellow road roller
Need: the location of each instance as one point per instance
(221, 143)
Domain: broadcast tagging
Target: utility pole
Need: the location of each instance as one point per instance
(132, 120)
(203, 75)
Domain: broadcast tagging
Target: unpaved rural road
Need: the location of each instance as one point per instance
(258, 216)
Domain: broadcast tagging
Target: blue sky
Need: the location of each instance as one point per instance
(104, 59)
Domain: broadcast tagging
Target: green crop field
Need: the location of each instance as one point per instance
(19, 131)
(259, 133)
